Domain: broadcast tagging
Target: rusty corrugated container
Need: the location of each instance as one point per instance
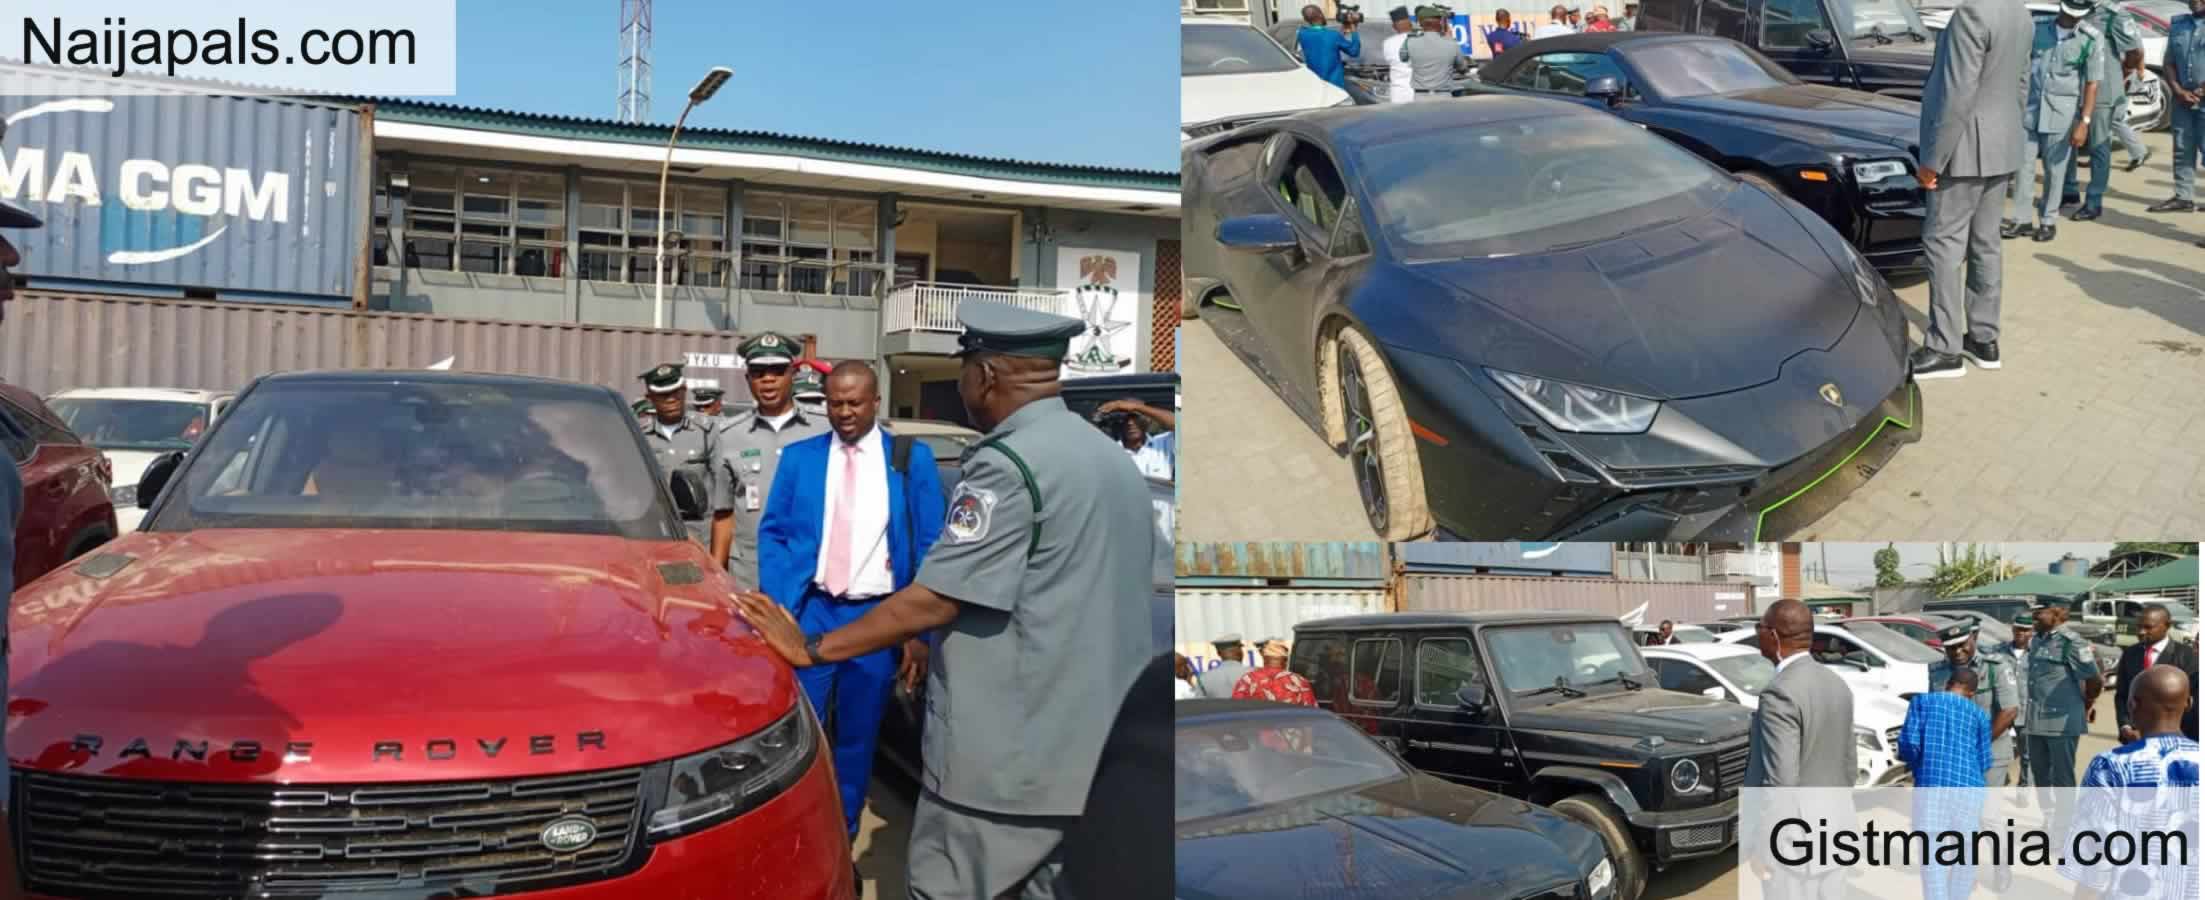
(1199, 615)
(1644, 601)
(1332, 561)
(183, 191)
(53, 342)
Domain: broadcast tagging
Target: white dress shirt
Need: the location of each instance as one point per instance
(1553, 29)
(1398, 72)
(1780, 664)
(870, 576)
(2152, 652)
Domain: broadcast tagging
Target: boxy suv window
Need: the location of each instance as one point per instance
(1377, 673)
(1531, 658)
(426, 455)
(1443, 666)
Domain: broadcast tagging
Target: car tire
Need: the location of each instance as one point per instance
(1363, 413)
(1595, 812)
(1190, 303)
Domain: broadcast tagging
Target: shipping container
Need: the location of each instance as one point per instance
(1636, 601)
(53, 342)
(1510, 557)
(169, 189)
(1259, 563)
(1201, 614)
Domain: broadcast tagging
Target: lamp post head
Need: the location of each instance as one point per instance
(710, 84)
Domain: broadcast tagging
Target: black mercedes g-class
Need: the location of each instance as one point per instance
(1555, 708)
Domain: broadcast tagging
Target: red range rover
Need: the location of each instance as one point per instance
(411, 634)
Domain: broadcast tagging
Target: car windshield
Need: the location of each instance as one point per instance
(1750, 672)
(1893, 644)
(1530, 657)
(1681, 69)
(1229, 50)
(1552, 183)
(1891, 18)
(114, 424)
(470, 455)
(1686, 634)
(2154, 16)
(1243, 763)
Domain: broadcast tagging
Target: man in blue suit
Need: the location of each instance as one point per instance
(845, 526)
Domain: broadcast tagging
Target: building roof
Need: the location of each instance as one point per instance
(766, 142)
(2030, 584)
(2181, 573)
(1441, 619)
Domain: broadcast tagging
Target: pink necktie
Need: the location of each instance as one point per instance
(838, 525)
(2151, 655)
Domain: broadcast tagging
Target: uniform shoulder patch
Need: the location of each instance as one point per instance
(971, 509)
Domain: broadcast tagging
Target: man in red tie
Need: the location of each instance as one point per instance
(851, 514)
(2154, 647)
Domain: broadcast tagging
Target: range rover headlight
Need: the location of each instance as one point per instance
(1684, 777)
(1575, 407)
(719, 784)
(1601, 879)
(1878, 170)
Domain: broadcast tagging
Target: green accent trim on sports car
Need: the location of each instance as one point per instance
(1913, 393)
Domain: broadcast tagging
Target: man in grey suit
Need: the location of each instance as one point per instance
(1802, 737)
(1971, 148)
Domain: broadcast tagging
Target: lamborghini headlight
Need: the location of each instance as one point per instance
(1878, 170)
(1577, 408)
(719, 784)
(1866, 283)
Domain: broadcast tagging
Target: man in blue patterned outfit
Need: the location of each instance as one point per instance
(2146, 785)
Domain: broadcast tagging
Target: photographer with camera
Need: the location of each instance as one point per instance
(1325, 51)
(1127, 420)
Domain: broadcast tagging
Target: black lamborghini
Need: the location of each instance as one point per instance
(1522, 318)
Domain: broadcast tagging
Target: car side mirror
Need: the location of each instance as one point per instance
(1472, 697)
(1258, 234)
(1716, 693)
(156, 477)
(1821, 41)
(1606, 87)
(689, 495)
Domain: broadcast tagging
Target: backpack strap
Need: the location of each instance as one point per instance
(1033, 491)
(899, 453)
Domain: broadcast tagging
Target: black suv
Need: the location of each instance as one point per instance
(1555, 708)
(1878, 46)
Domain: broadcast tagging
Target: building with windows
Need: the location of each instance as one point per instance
(869, 249)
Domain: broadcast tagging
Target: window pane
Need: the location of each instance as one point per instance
(760, 276)
(602, 266)
(1442, 668)
(428, 225)
(601, 204)
(429, 253)
(543, 200)
(808, 221)
(432, 188)
(1377, 671)
(482, 256)
(488, 192)
(854, 221)
(703, 212)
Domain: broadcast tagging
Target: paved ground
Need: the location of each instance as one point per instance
(2088, 432)
(1716, 877)
(884, 831)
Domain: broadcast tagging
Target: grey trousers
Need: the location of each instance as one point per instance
(960, 853)
(2051, 151)
(1960, 237)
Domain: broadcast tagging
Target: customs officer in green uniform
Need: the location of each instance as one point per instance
(1997, 693)
(1038, 592)
(2064, 683)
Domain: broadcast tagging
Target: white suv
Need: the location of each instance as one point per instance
(1231, 73)
(134, 426)
(1738, 674)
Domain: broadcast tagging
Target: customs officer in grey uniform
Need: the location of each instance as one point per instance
(706, 401)
(1971, 148)
(1997, 693)
(750, 451)
(2066, 73)
(2122, 47)
(679, 438)
(2064, 683)
(1038, 593)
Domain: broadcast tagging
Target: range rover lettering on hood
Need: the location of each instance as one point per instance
(434, 750)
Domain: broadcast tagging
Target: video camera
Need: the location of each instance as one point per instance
(1350, 14)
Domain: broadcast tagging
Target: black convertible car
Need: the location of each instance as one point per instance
(1848, 155)
(1271, 800)
(1522, 318)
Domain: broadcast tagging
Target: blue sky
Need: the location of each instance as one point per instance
(1049, 81)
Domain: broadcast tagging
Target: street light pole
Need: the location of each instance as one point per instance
(704, 90)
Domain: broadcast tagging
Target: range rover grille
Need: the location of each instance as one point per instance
(106, 837)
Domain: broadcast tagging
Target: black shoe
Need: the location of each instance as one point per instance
(2171, 204)
(2068, 201)
(1929, 364)
(857, 882)
(2012, 230)
(2087, 213)
(2139, 162)
(1983, 353)
(2045, 233)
